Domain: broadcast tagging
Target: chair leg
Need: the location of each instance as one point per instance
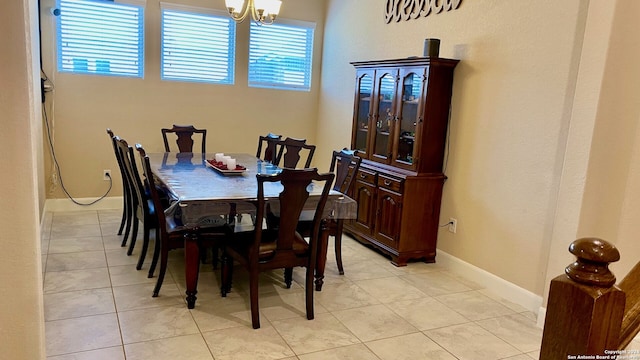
(145, 245)
(308, 288)
(225, 274)
(163, 269)
(253, 294)
(130, 219)
(156, 254)
(338, 248)
(134, 235)
(215, 250)
(125, 214)
(288, 277)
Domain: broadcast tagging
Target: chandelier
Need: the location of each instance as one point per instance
(262, 11)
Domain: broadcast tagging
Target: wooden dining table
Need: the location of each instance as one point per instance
(203, 196)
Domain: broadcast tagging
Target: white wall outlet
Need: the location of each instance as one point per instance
(106, 175)
(453, 224)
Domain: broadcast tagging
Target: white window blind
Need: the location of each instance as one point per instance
(281, 54)
(197, 45)
(100, 37)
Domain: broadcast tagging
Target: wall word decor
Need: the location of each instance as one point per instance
(412, 9)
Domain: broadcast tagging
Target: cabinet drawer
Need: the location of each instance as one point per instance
(366, 176)
(390, 183)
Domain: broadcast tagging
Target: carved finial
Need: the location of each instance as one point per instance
(592, 264)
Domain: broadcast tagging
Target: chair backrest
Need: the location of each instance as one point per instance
(185, 137)
(345, 165)
(123, 174)
(289, 153)
(272, 142)
(153, 190)
(291, 203)
(133, 176)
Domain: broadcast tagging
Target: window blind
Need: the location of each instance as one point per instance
(197, 47)
(281, 55)
(100, 37)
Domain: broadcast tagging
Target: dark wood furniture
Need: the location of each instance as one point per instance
(279, 246)
(127, 198)
(345, 165)
(142, 207)
(400, 120)
(201, 193)
(290, 151)
(168, 237)
(271, 146)
(184, 139)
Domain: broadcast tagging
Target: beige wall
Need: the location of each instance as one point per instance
(526, 103)
(21, 313)
(511, 105)
(136, 109)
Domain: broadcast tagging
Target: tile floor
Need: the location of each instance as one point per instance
(98, 307)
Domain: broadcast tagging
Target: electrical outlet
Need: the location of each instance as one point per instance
(106, 175)
(453, 224)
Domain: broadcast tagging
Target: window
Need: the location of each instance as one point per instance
(197, 45)
(281, 54)
(100, 37)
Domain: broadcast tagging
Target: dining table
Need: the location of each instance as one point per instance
(202, 195)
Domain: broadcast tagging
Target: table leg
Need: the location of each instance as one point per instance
(191, 267)
(321, 260)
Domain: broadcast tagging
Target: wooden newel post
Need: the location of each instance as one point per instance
(585, 307)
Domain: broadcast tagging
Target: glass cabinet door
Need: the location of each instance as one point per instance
(409, 117)
(364, 93)
(384, 116)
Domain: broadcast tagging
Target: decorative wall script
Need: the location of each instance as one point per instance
(412, 9)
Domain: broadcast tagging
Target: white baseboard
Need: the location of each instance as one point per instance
(108, 203)
(542, 313)
(493, 283)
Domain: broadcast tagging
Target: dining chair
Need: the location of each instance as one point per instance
(127, 201)
(271, 149)
(168, 235)
(184, 139)
(143, 208)
(345, 165)
(280, 247)
(290, 151)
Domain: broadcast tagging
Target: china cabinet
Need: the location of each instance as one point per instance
(400, 119)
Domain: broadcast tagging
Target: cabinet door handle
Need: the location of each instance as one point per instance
(387, 182)
(362, 176)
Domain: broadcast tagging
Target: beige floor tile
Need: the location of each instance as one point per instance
(82, 334)
(536, 354)
(112, 353)
(417, 267)
(518, 357)
(59, 281)
(344, 296)
(79, 303)
(68, 231)
(435, 283)
(44, 246)
(189, 347)
(72, 218)
(427, 313)
(518, 330)
(352, 352)
(374, 322)
(112, 241)
(119, 257)
(110, 216)
(390, 289)
(132, 297)
(474, 305)
(246, 343)
(76, 261)
(279, 306)
(513, 306)
(409, 347)
(471, 342)
(363, 270)
(112, 228)
(126, 275)
(223, 314)
(156, 323)
(322, 333)
(71, 245)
